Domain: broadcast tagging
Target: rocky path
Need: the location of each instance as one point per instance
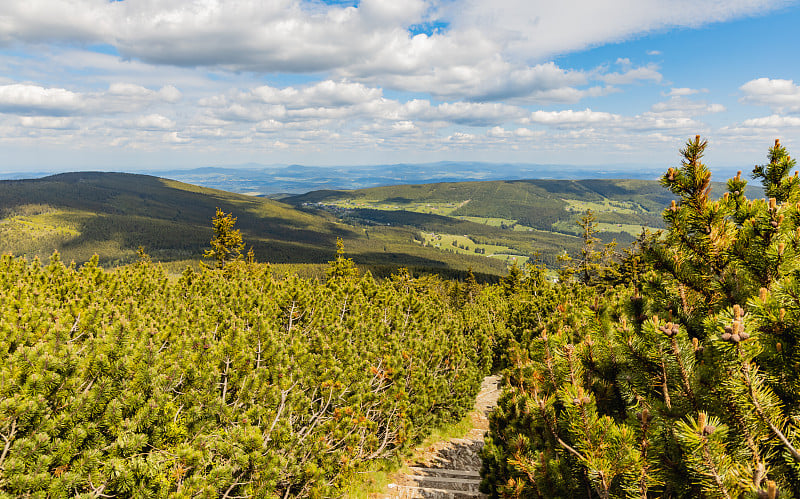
(450, 469)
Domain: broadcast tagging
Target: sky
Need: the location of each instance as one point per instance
(149, 84)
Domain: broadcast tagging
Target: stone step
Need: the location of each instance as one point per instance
(442, 479)
(431, 492)
(445, 471)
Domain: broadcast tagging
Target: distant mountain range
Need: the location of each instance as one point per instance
(253, 178)
(298, 179)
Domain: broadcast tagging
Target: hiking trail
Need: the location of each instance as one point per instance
(450, 468)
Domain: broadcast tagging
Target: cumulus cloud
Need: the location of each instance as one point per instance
(329, 100)
(489, 51)
(491, 79)
(153, 122)
(47, 122)
(26, 99)
(519, 133)
(323, 94)
(782, 96)
(570, 117)
(463, 113)
(377, 75)
(773, 121)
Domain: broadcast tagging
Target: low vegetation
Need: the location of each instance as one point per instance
(224, 383)
(672, 373)
(668, 368)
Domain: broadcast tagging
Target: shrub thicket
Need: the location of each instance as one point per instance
(682, 382)
(229, 383)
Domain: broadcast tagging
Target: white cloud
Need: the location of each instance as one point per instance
(323, 94)
(129, 90)
(528, 133)
(773, 121)
(542, 28)
(665, 122)
(352, 101)
(47, 122)
(682, 92)
(462, 137)
(131, 94)
(169, 93)
(782, 96)
(404, 126)
(175, 138)
(490, 51)
(26, 99)
(632, 75)
(268, 126)
(682, 106)
(283, 34)
(653, 52)
(472, 83)
(571, 118)
(462, 113)
(153, 122)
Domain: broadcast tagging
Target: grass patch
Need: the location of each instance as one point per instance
(492, 222)
(432, 208)
(606, 205)
(365, 484)
(465, 245)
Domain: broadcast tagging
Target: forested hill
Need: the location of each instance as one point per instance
(622, 207)
(444, 227)
(112, 214)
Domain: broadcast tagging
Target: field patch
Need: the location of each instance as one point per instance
(397, 204)
(33, 227)
(604, 206)
(464, 245)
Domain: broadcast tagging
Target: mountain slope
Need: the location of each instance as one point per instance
(113, 213)
(525, 216)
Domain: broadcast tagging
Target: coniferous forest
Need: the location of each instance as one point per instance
(669, 368)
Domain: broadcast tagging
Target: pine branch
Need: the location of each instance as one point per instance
(760, 409)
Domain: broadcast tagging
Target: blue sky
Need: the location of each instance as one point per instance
(147, 84)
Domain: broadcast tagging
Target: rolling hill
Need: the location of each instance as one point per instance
(111, 214)
(522, 216)
(441, 227)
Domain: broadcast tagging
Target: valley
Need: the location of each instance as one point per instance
(445, 228)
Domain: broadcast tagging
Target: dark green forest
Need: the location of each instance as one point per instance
(669, 367)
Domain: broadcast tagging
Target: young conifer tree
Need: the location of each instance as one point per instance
(227, 243)
(684, 386)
